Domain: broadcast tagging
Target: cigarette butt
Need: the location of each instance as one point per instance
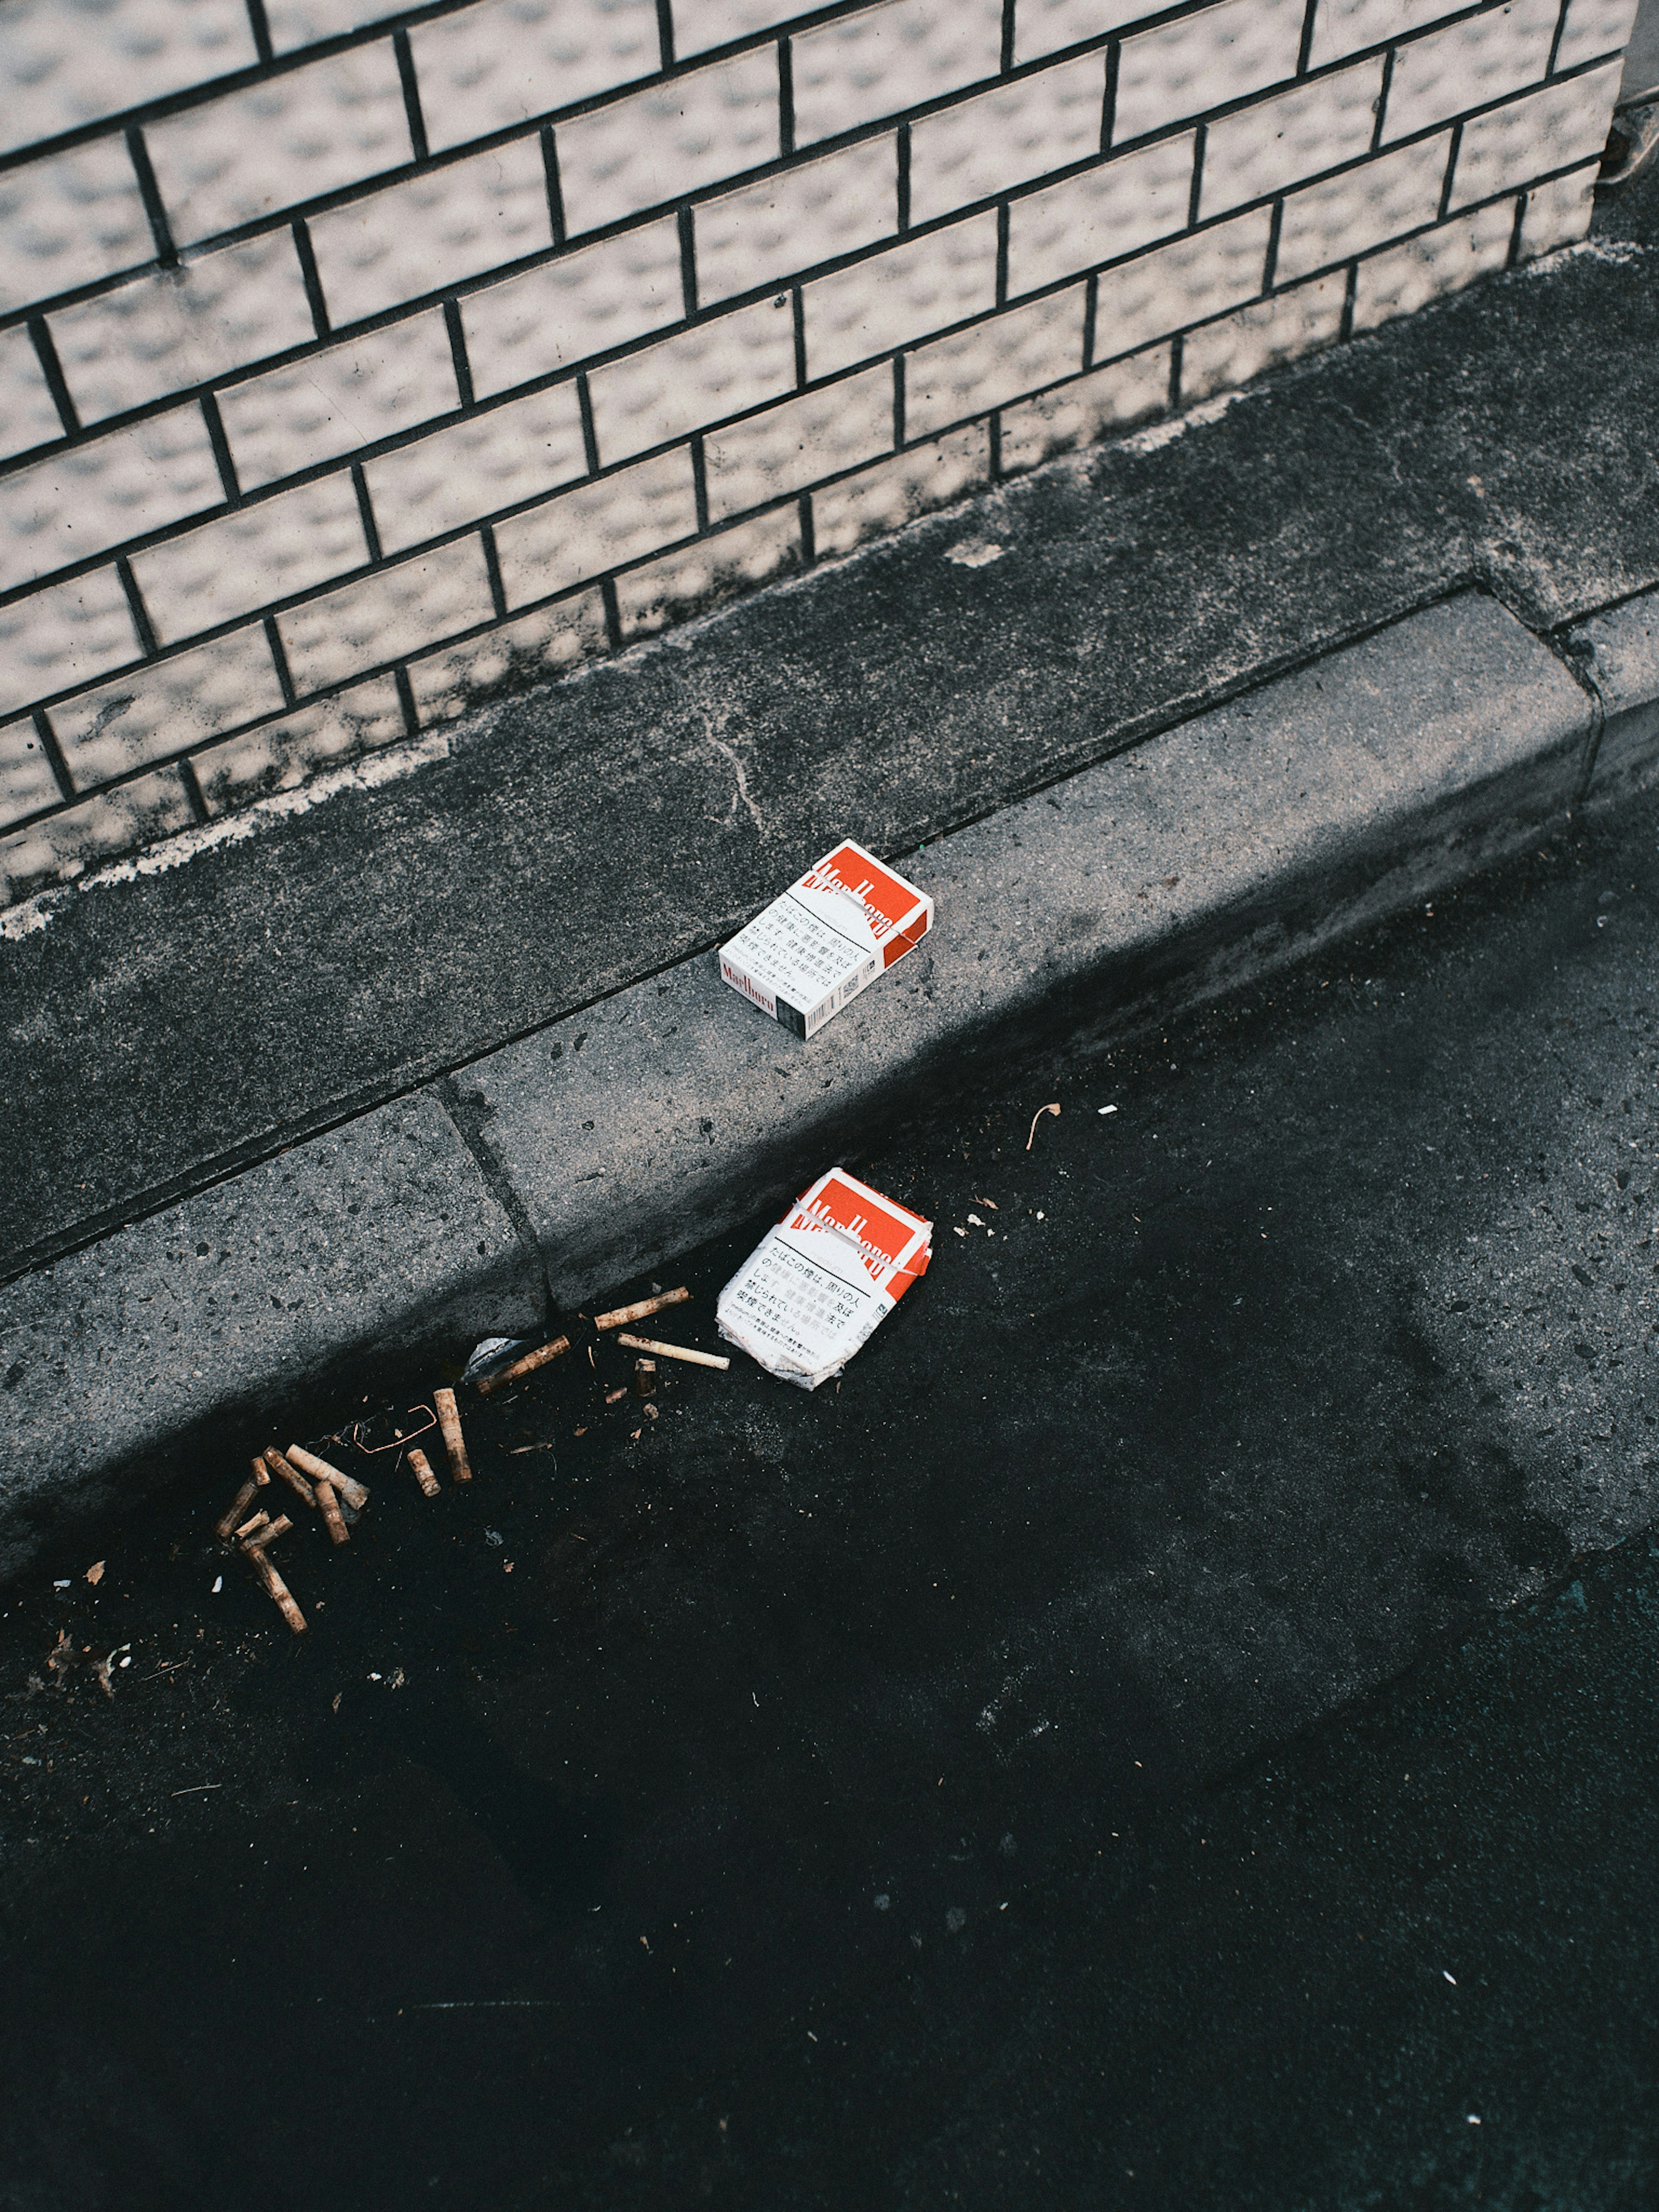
(330, 1506)
(259, 1521)
(268, 1535)
(527, 1366)
(421, 1468)
(645, 1378)
(261, 1472)
(236, 1509)
(276, 1588)
(624, 1314)
(348, 1485)
(674, 1352)
(291, 1476)
(449, 1421)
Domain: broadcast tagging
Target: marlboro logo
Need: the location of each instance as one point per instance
(880, 1239)
(885, 902)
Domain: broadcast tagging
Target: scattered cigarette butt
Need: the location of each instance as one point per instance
(261, 1519)
(645, 1378)
(261, 1472)
(233, 1514)
(291, 1476)
(611, 1396)
(421, 1468)
(674, 1352)
(527, 1366)
(454, 1442)
(624, 1314)
(95, 1573)
(1037, 1116)
(346, 1485)
(275, 1589)
(268, 1535)
(330, 1506)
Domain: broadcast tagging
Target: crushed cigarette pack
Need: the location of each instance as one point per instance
(814, 1288)
(820, 942)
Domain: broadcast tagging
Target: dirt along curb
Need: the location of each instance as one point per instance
(592, 1150)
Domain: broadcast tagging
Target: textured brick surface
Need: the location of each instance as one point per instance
(278, 756)
(851, 259)
(154, 712)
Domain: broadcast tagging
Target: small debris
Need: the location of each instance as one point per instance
(975, 552)
(527, 1366)
(651, 1413)
(454, 1442)
(421, 1468)
(673, 1352)
(494, 1536)
(611, 1396)
(95, 1573)
(645, 1379)
(101, 1669)
(1105, 1109)
(486, 1353)
(218, 1584)
(974, 1222)
(641, 1311)
(1037, 1116)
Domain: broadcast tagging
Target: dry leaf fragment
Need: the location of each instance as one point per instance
(95, 1573)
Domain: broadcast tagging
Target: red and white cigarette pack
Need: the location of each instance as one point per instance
(821, 941)
(814, 1288)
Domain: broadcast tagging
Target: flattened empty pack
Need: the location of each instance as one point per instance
(818, 945)
(813, 1290)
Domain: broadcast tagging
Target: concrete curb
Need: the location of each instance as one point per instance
(590, 1151)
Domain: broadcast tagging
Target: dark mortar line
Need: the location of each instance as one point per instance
(209, 1175)
(467, 1122)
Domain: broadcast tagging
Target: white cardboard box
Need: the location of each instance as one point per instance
(821, 941)
(813, 1289)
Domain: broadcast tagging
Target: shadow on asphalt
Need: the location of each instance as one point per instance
(1173, 1729)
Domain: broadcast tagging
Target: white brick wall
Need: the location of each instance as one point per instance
(494, 338)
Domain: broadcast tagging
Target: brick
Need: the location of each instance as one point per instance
(656, 145)
(701, 24)
(1297, 135)
(1084, 411)
(296, 23)
(1099, 214)
(1484, 57)
(818, 435)
(598, 527)
(1327, 223)
(62, 845)
(27, 782)
(1263, 336)
(812, 213)
(66, 634)
(1348, 27)
(280, 755)
(897, 490)
(488, 67)
(334, 402)
(1183, 282)
(27, 416)
(983, 146)
(251, 557)
(888, 58)
(1558, 214)
(512, 656)
(163, 333)
(86, 499)
(715, 568)
(712, 370)
(166, 707)
(1547, 129)
(69, 220)
(589, 299)
(387, 615)
(998, 360)
(903, 295)
(1044, 27)
(292, 138)
(1203, 61)
(1594, 27)
(1444, 260)
(66, 70)
(478, 466)
(437, 229)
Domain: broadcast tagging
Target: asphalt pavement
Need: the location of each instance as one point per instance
(1184, 1741)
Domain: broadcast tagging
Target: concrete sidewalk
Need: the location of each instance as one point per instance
(531, 1081)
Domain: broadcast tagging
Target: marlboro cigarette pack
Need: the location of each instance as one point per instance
(813, 1290)
(805, 956)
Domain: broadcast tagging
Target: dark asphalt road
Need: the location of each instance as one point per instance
(1175, 1729)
